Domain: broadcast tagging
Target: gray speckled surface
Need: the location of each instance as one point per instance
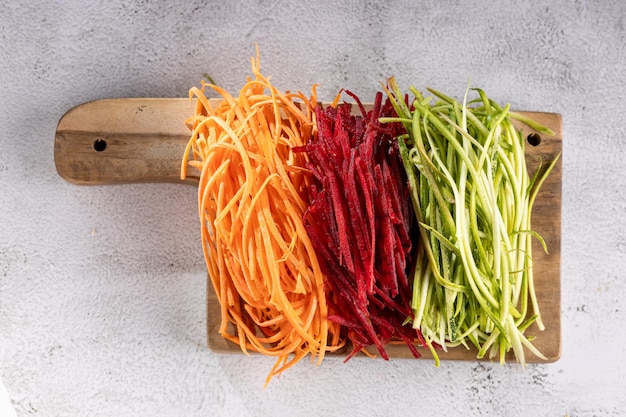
(102, 289)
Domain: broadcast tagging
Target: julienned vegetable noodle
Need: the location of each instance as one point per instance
(253, 194)
(326, 227)
(473, 197)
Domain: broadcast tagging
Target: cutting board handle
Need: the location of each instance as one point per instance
(129, 140)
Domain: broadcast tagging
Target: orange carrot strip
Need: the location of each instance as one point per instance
(252, 194)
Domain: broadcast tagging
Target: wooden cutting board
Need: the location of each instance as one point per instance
(135, 140)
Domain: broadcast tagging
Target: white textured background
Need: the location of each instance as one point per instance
(102, 289)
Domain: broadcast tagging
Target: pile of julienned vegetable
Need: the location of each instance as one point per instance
(335, 226)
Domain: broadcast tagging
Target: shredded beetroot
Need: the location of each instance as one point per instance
(360, 223)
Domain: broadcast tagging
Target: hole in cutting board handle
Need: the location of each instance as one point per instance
(99, 145)
(534, 139)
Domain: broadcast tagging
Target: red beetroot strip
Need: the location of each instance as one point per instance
(360, 223)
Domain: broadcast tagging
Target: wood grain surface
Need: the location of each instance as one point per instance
(136, 140)
(117, 141)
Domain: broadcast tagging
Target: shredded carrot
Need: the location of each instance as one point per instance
(253, 191)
